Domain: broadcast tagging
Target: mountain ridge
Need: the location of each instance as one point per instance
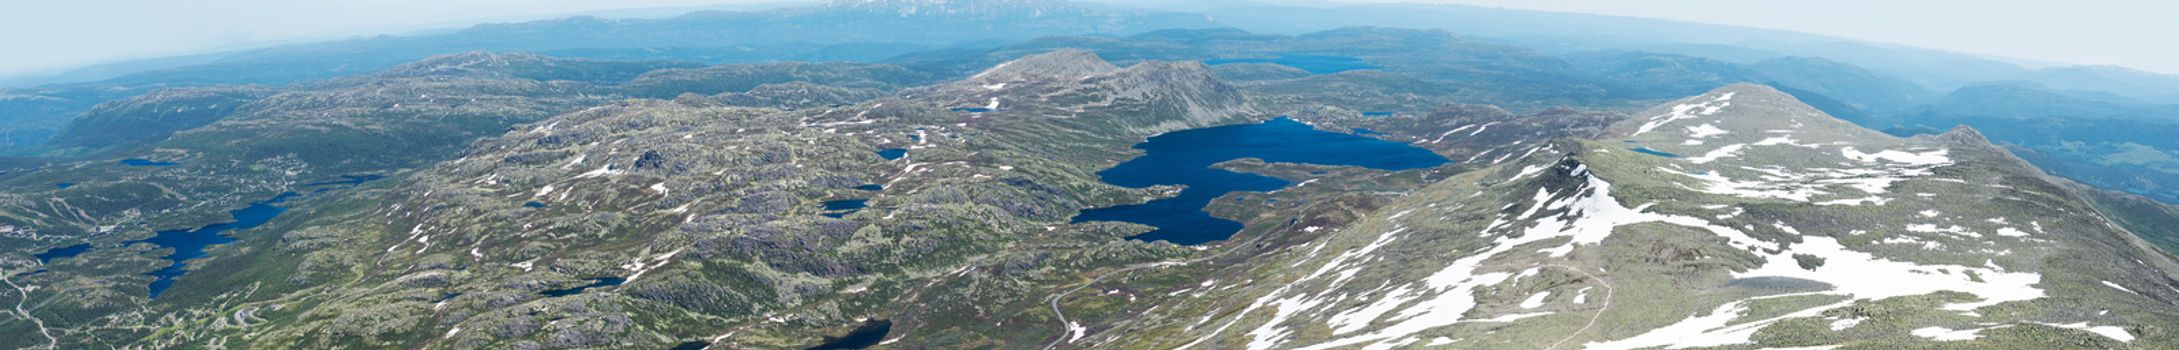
(947, 199)
(1770, 282)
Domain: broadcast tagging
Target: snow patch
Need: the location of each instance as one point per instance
(2119, 287)
(1948, 334)
(1686, 111)
(2113, 332)
(1909, 158)
(1535, 301)
(1719, 153)
(1844, 323)
(1704, 131)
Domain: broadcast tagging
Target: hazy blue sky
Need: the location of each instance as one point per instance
(44, 36)
(2132, 33)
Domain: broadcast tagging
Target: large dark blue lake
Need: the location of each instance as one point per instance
(190, 243)
(1185, 158)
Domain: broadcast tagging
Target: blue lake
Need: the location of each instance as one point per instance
(347, 180)
(63, 252)
(1654, 152)
(64, 185)
(871, 187)
(190, 243)
(594, 283)
(892, 153)
(1185, 158)
(1377, 114)
(146, 162)
(1314, 64)
(870, 333)
(840, 208)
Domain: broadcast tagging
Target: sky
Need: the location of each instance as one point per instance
(45, 37)
(2140, 34)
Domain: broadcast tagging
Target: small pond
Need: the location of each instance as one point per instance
(347, 180)
(63, 252)
(892, 153)
(1654, 152)
(840, 208)
(146, 162)
(870, 333)
(594, 283)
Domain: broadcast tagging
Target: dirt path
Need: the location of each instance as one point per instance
(1592, 318)
(1068, 328)
(51, 342)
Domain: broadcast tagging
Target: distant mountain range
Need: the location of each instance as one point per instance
(1549, 58)
(842, 30)
(878, 31)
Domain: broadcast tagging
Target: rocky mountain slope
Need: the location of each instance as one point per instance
(185, 163)
(716, 219)
(651, 223)
(1774, 226)
(529, 202)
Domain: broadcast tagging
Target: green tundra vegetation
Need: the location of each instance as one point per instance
(708, 196)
